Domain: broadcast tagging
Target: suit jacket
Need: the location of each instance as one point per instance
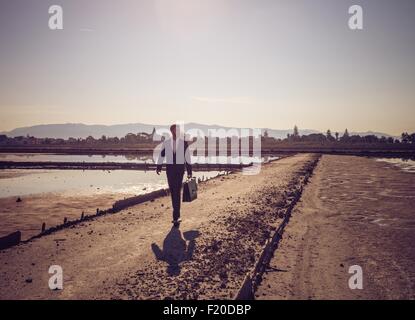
(175, 153)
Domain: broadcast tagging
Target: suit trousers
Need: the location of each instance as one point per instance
(175, 173)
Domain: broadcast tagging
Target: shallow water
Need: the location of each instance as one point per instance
(50, 195)
(88, 182)
(20, 182)
(37, 157)
(404, 164)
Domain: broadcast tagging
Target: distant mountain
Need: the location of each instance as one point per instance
(79, 130)
(368, 133)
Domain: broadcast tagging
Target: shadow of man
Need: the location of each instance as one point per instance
(177, 248)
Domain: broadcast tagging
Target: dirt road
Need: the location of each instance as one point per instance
(135, 254)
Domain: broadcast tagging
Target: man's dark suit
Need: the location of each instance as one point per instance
(175, 172)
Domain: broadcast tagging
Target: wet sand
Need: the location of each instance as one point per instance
(136, 254)
(28, 215)
(354, 211)
(6, 174)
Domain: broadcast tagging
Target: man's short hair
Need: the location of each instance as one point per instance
(172, 127)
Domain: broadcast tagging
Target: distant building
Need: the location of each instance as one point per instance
(147, 136)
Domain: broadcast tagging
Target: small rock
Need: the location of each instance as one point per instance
(223, 275)
(29, 280)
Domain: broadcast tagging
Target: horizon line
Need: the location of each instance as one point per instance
(198, 123)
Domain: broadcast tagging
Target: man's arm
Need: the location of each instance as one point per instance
(187, 159)
(160, 159)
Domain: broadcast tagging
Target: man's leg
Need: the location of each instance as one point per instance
(178, 187)
(175, 180)
(172, 187)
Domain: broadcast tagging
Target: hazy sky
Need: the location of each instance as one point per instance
(243, 63)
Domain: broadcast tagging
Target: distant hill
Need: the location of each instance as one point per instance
(79, 130)
(367, 133)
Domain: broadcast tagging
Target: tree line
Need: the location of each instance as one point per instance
(145, 138)
(346, 137)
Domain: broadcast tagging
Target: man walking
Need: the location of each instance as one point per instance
(175, 151)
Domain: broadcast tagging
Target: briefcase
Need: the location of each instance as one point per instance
(190, 190)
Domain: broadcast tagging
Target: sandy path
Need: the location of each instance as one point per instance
(354, 211)
(135, 254)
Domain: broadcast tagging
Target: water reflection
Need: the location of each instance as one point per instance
(407, 165)
(24, 182)
(127, 158)
(19, 182)
(37, 157)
